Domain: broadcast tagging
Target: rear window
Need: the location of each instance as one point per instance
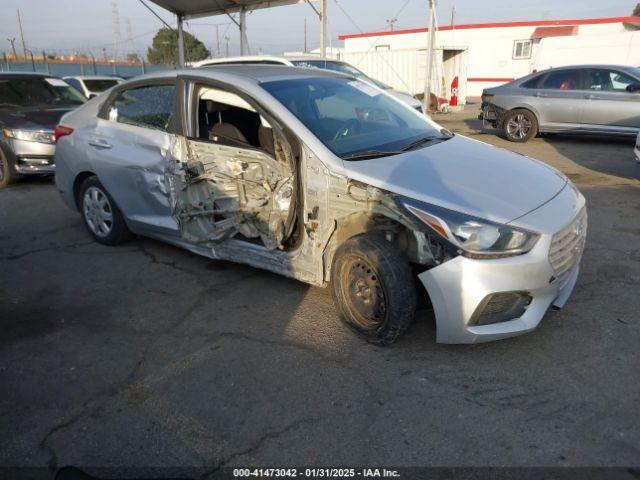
(149, 106)
(562, 80)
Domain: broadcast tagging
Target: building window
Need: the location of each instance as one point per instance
(383, 48)
(521, 49)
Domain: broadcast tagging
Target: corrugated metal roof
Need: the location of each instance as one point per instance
(205, 8)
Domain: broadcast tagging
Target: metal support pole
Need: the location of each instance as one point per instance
(6, 61)
(45, 61)
(243, 32)
(180, 42)
(323, 29)
(432, 37)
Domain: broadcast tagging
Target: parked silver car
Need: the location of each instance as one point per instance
(31, 105)
(600, 99)
(328, 179)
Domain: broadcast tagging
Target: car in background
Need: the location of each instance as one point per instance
(586, 99)
(326, 179)
(636, 150)
(92, 85)
(312, 61)
(31, 105)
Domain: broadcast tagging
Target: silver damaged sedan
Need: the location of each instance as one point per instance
(324, 178)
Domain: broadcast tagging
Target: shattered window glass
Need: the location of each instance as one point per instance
(149, 107)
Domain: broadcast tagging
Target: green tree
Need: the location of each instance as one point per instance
(164, 48)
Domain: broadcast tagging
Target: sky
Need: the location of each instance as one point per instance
(87, 26)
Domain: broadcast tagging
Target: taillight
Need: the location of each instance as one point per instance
(62, 131)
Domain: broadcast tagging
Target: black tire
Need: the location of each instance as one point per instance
(117, 231)
(7, 174)
(519, 125)
(373, 288)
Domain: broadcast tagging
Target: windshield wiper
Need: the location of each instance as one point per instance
(368, 154)
(426, 139)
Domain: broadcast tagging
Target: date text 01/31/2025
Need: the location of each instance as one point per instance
(314, 473)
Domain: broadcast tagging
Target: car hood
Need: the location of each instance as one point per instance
(465, 175)
(32, 118)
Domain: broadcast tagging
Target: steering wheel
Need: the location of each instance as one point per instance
(347, 129)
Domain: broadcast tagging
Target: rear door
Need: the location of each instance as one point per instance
(131, 145)
(609, 106)
(559, 99)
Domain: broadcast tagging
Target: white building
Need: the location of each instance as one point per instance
(488, 54)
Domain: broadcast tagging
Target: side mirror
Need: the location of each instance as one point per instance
(633, 87)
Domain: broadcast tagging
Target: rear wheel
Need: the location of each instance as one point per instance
(520, 125)
(101, 215)
(7, 175)
(373, 288)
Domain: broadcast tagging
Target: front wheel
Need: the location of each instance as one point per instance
(520, 125)
(373, 288)
(7, 175)
(101, 215)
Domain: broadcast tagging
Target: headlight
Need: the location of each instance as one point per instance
(39, 136)
(472, 236)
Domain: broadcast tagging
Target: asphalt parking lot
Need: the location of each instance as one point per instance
(148, 355)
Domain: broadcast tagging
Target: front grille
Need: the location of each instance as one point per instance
(567, 246)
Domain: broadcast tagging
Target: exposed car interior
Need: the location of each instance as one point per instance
(226, 118)
(239, 179)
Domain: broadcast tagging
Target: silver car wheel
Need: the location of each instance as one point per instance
(518, 126)
(97, 211)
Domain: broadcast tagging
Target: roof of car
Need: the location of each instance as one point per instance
(92, 77)
(285, 59)
(25, 75)
(253, 73)
(594, 65)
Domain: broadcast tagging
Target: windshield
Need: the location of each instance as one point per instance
(350, 116)
(35, 92)
(99, 85)
(339, 67)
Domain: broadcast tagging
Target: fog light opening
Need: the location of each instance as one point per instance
(501, 307)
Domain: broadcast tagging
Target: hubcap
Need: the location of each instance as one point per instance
(364, 294)
(519, 126)
(97, 211)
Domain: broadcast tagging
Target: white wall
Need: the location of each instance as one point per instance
(490, 51)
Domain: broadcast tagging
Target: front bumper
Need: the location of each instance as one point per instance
(637, 152)
(459, 287)
(32, 157)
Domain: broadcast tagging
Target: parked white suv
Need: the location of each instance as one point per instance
(312, 61)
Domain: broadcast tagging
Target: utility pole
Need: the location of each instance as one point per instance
(453, 17)
(227, 38)
(390, 22)
(244, 50)
(305, 35)
(24, 47)
(217, 40)
(323, 29)
(432, 37)
(12, 41)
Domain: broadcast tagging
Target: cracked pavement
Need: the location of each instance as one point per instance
(148, 355)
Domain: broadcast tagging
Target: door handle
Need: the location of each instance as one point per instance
(99, 143)
(538, 94)
(591, 97)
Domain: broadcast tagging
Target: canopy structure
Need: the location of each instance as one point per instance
(189, 9)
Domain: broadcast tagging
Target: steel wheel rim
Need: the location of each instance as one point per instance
(1, 168)
(97, 211)
(519, 126)
(364, 294)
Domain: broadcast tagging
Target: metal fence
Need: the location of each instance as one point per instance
(63, 69)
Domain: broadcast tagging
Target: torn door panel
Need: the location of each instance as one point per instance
(221, 191)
